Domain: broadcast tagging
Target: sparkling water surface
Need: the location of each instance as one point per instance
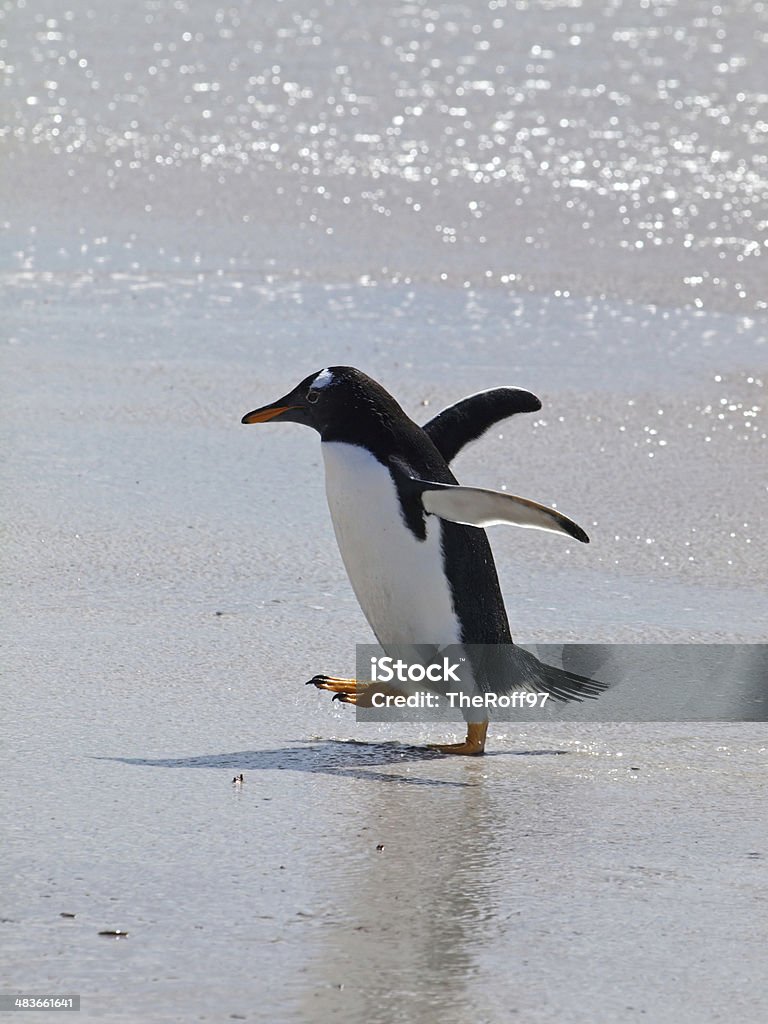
(613, 148)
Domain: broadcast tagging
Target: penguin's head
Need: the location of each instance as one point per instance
(329, 400)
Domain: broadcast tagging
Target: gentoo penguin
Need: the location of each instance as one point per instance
(412, 539)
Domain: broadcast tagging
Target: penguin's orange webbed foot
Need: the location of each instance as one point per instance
(347, 691)
(363, 693)
(466, 749)
(473, 745)
(333, 684)
(345, 698)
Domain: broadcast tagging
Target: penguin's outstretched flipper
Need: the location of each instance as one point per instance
(478, 506)
(467, 420)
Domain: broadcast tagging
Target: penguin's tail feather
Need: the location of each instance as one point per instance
(564, 685)
(503, 668)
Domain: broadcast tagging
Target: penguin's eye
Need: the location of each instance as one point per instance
(313, 396)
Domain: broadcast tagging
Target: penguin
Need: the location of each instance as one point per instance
(413, 539)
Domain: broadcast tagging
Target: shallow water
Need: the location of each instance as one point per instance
(203, 205)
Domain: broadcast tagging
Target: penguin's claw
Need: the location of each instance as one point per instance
(333, 684)
(345, 698)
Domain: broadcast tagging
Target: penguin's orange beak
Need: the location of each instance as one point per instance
(269, 412)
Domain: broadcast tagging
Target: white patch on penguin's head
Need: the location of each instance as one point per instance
(324, 379)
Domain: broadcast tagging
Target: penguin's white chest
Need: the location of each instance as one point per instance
(398, 579)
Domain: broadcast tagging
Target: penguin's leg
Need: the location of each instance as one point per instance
(474, 743)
